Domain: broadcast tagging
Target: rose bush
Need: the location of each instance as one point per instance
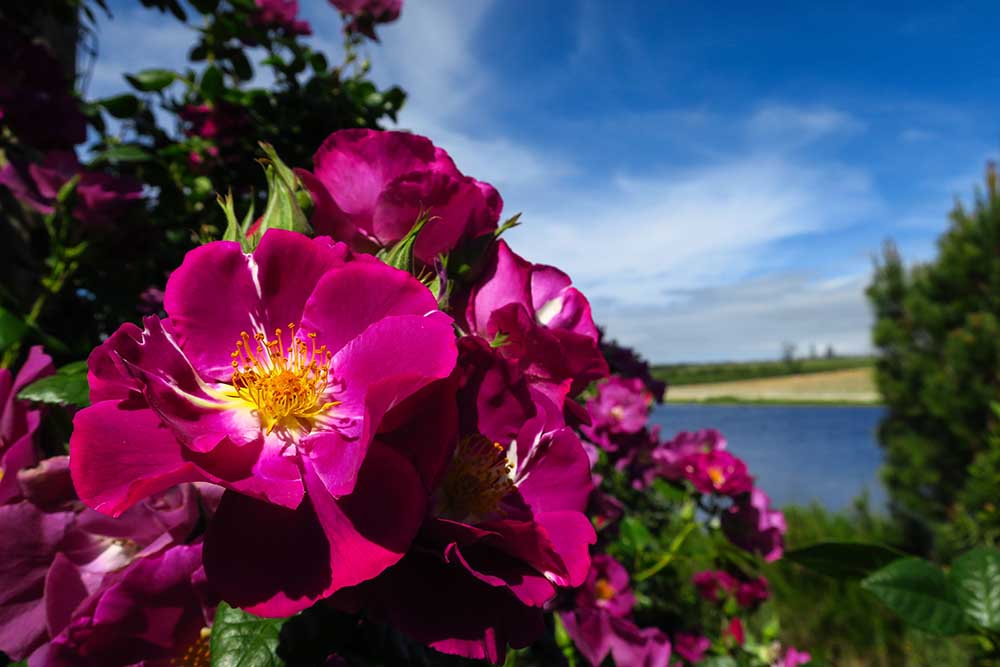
(353, 425)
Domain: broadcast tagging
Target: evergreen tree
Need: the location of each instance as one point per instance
(937, 328)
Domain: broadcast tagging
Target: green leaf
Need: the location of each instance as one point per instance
(510, 223)
(282, 210)
(976, 577)
(401, 254)
(67, 387)
(124, 153)
(151, 80)
(240, 639)
(12, 329)
(634, 534)
(212, 83)
(844, 560)
(920, 594)
(121, 106)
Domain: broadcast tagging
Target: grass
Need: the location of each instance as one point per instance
(837, 621)
(851, 386)
(678, 375)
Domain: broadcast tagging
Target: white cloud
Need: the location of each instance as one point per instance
(135, 39)
(634, 239)
(749, 319)
(784, 126)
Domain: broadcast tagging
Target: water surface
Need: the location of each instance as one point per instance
(797, 453)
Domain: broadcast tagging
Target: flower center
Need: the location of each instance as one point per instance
(604, 590)
(196, 654)
(618, 412)
(282, 383)
(716, 475)
(477, 480)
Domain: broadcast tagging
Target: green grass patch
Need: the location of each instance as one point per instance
(733, 400)
(682, 374)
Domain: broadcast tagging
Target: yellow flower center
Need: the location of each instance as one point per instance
(477, 480)
(604, 590)
(618, 412)
(717, 475)
(197, 654)
(286, 385)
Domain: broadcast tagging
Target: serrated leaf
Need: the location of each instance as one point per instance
(844, 560)
(67, 387)
(976, 577)
(920, 594)
(151, 80)
(240, 639)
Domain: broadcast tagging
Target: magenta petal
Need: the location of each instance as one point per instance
(212, 299)
(391, 361)
(120, 456)
(289, 265)
(327, 218)
(30, 540)
(371, 528)
(507, 281)
(267, 559)
(571, 534)
(557, 476)
(64, 591)
(348, 300)
(20, 455)
(590, 630)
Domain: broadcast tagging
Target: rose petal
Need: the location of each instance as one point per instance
(120, 456)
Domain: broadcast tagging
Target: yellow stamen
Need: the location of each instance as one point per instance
(477, 480)
(282, 383)
(196, 654)
(604, 590)
(716, 475)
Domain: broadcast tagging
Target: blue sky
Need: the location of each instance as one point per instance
(715, 176)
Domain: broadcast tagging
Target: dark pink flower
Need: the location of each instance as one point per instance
(505, 529)
(282, 14)
(600, 623)
(751, 524)
(691, 647)
(751, 593)
(607, 587)
(364, 14)
(794, 658)
(100, 198)
(621, 406)
(735, 630)
(714, 585)
(717, 472)
(671, 455)
(370, 188)
(18, 422)
(534, 316)
(222, 124)
(67, 568)
(272, 383)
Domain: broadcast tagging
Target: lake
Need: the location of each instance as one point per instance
(797, 453)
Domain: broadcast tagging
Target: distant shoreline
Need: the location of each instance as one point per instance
(846, 387)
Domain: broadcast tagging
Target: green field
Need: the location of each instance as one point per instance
(681, 374)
